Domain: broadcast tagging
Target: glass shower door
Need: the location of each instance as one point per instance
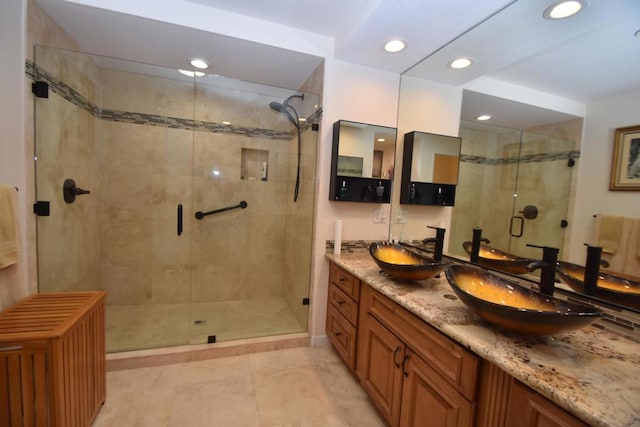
(115, 128)
(542, 194)
(513, 185)
(251, 262)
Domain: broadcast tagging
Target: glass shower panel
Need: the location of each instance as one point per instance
(543, 185)
(486, 185)
(252, 264)
(120, 130)
(515, 186)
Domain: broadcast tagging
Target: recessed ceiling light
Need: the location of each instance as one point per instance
(395, 45)
(460, 63)
(190, 73)
(226, 123)
(380, 140)
(199, 63)
(563, 9)
(301, 120)
(483, 117)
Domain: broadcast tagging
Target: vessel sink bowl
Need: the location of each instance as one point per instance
(513, 307)
(399, 262)
(617, 289)
(498, 260)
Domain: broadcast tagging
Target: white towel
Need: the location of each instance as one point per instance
(8, 238)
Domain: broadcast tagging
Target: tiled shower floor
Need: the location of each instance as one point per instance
(134, 327)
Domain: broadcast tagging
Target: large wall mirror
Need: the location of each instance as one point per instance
(362, 162)
(518, 178)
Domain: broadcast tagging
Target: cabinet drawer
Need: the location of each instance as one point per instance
(457, 365)
(345, 281)
(526, 407)
(344, 304)
(342, 335)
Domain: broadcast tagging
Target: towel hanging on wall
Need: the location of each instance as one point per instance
(8, 238)
(610, 233)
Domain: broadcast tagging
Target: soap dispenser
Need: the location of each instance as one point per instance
(342, 194)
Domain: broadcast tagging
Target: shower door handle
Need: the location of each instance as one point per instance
(519, 233)
(179, 219)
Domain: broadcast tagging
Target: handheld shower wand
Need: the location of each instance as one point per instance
(293, 117)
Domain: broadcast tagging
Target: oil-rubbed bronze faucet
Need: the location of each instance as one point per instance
(592, 269)
(439, 242)
(474, 256)
(547, 268)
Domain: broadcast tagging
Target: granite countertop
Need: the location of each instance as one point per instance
(591, 373)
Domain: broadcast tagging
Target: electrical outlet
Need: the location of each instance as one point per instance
(401, 216)
(379, 216)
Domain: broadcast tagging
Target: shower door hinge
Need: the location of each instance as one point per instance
(571, 163)
(211, 339)
(315, 126)
(41, 208)
(40, 89)
(305, 301)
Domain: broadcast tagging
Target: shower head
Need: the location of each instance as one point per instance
(287, 109)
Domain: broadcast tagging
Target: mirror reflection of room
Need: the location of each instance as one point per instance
(435, 158)
(366, 151)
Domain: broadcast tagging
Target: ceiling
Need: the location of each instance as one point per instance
(281, 42)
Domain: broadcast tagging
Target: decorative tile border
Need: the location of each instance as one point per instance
(529, 158)
(60, 88)
(350, 246)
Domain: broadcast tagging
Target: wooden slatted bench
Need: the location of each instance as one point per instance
(52, 360)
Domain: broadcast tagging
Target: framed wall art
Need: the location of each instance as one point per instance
(625, 165)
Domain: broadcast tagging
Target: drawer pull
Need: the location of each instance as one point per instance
(342, 279)
(340, 302)
(337, 334)
(395, 353)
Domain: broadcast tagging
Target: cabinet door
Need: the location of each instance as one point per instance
(528, 409)
(380, 367)
(429, 400)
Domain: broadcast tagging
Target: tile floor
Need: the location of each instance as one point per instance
(302, 387)
(134, 327)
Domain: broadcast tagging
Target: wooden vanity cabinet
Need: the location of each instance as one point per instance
(414, 375)
(504, 401)
(526, 407)
(342, 313)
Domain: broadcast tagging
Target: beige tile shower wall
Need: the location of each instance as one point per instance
(41, 30)
(146, 172)
(143, 260)
(146, 94)
(299, 230)
(237, 254)
(546, 185)
(67, 147)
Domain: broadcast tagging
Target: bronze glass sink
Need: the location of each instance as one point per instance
(511, 306)
(618, 289)
(498, 260)
(399, 262)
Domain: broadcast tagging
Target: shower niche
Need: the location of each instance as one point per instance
(362, 162)
(254, 165)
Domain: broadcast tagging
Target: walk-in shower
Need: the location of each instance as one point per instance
(506, 174)
(152, 148)
(292, 114)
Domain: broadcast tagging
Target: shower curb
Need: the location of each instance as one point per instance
(191, 353)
